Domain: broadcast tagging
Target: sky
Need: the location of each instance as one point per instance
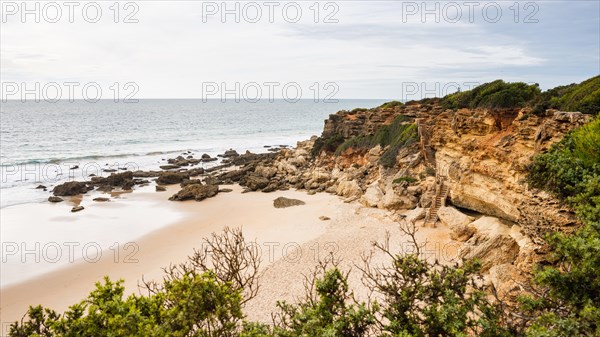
(303, 49)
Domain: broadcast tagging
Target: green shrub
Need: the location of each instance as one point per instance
(326, 144)
(493, 95)
(568, 291)
(391, 104)
(410, 180)
(566, 168)
(430, 171)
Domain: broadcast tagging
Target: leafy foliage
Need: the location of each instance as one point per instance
(326, 144)
(567, 301)
(194, 305)
(421, 299)
(493, 95)
(570, 170)
(583, 97)
(327, 310)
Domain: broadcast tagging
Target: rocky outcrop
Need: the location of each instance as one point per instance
(169, 178)
(196, 192)
(459, 223)
(71, 188)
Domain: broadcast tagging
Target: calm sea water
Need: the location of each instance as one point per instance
(40, 142)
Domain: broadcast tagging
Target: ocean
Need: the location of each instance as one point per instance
(41, 143)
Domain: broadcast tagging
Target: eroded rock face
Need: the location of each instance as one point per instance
(498, 249)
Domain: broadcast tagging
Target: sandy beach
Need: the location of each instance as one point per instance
(291, 240)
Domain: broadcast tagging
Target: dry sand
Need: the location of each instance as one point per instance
(292, 240)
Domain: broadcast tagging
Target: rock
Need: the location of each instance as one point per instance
(324, 218)
(169, 167)
(197, 192)
(101, 199)
(266, 171)
(74, 167)
(146, 174)
(459, 223)
(230, 153)
(392, 201)
(205, 156)
(414, 214)
(71, 188)
(105, 188)
(168, 177)
(507, 280)
(283, 202)
(273, 186)
(77, 209)
(41, 187)
(372, 196)
(160, 188)
(191, 182)
(109, 170)
(225, 190)
(55, 199)
(124, 179)
(254, 182)
(498, 249)
(349, 188)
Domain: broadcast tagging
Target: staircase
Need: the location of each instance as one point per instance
(441, 193)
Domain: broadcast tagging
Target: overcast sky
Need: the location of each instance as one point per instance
(366, 49)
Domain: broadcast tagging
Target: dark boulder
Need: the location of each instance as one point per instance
(230, 153)
(196, 192)
(169, 178)
(77, 209)
(71, 188)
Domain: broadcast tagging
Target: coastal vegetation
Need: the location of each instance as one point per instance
(571, 284)
(494, 95)
(583, 97)
(400, 133)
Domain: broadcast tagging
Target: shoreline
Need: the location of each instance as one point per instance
(292, 240)
(172, 243)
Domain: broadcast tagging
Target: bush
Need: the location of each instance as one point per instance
(326, 144)
(493, 95)
(566, 299)
(569, 165)
(391, 104)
